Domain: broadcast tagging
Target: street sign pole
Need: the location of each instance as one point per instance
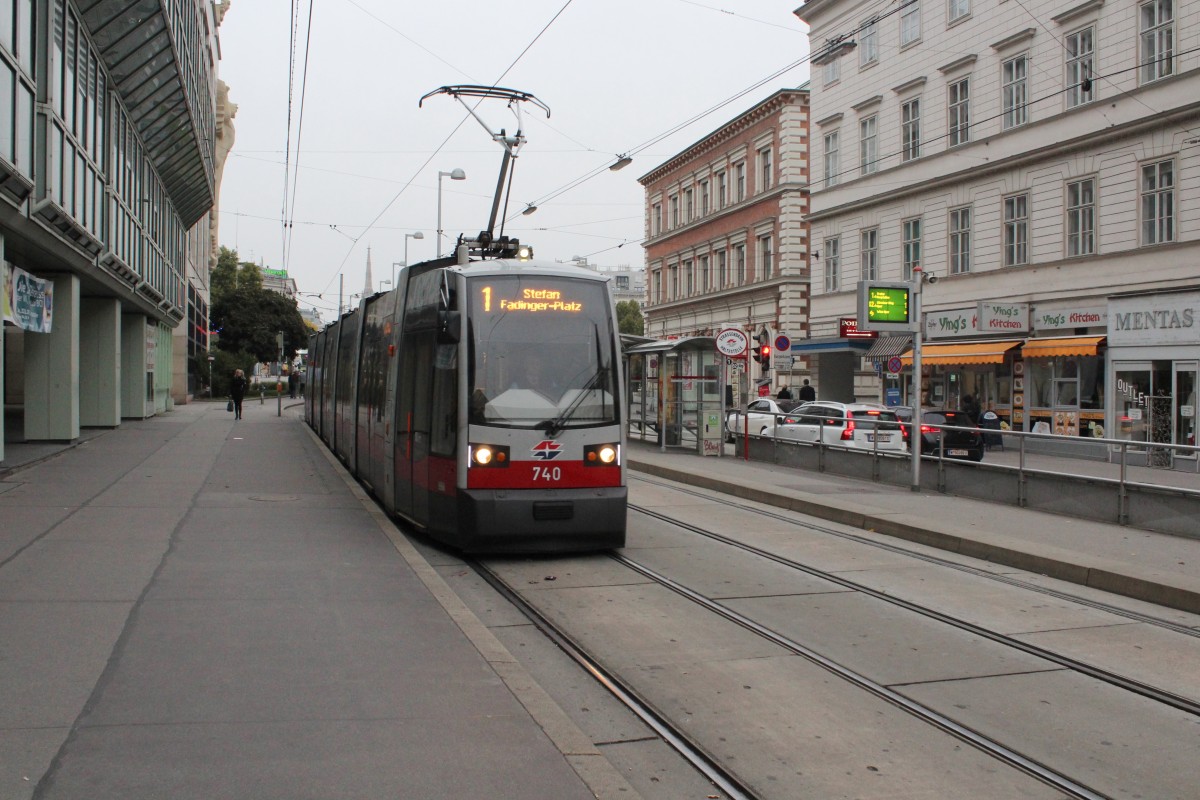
(914, 437)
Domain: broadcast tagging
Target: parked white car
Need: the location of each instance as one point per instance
(762, 414)
(866, 426)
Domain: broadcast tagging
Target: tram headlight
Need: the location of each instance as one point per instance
(601, 455)
(488, 455)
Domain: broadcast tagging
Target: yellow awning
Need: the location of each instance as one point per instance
(963, 353)
(1063, 346)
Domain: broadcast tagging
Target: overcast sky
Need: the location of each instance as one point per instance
(616, 74)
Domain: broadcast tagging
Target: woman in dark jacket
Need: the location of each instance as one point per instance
(237, 391)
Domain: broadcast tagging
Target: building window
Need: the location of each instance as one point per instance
(722, 269)
(689, 205)
(704, 199)
(766, 257)
(910, 23)
(1015, 98)
(622, 282)
(910, 252)
(674, 211)
(689, 278)
(868, 44)
(656, 219)
(1081, 218)
(705, 275)
(722, 189)
(739, 263)
(960, 114)
(1158, 202)
(832, 257)
(869, 254)
(910, 130)
(764, 169)
(868, 145)
(739, 178)
(960, 240)
(831, 159)
(833, 71)
(1080, 52)
(1157, 28)
(674, 287)
(1016, 230)
(958, 9)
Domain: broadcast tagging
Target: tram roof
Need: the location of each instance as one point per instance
(512, 265)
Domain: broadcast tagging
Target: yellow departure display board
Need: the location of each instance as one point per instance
(507, 298)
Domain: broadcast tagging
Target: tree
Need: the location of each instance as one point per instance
(629, 318)
(246, 317)
(230, 275)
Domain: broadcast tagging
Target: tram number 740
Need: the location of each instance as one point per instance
(547, 473)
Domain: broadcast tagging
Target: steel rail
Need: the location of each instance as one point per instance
(726, 781)
(1129, 684)
(1098, 605)
(938, 720)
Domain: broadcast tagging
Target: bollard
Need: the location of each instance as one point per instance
(279, 395)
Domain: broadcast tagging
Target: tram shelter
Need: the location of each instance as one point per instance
(673, 389)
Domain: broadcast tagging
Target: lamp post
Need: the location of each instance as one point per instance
(407, 236)
(455, 174)
(395, 265)
(384, 282)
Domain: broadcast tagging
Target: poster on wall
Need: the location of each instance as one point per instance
(1066, 423)
(28, 301)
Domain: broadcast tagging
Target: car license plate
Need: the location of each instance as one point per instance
(958, 452)
(879, 437)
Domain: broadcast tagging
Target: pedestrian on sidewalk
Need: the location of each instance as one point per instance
(237, 391)
(807, 393)
(293, 383)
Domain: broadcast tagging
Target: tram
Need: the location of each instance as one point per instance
(480, 401)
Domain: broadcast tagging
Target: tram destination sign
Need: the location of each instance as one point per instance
(527, 299)
(885, 306)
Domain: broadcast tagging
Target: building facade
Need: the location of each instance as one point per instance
(726, 242)
(1044, 168)
(107, 124)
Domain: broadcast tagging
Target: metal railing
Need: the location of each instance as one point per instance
(1127, 466)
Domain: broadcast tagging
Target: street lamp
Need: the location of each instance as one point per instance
(455, 174)
(407, 236)
(396, 264)
(384, 282)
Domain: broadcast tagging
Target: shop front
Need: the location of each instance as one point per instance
(958, 375)
(1154, 355)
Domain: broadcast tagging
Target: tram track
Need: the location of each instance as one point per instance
(1128, 684)
(668, 732)
(1007, 580)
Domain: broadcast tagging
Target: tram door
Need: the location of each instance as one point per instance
(413, 419)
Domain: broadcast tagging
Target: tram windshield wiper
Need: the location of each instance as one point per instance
(555, 426)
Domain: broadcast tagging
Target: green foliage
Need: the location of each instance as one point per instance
(231, 276)
(248, 317)
(629, 318)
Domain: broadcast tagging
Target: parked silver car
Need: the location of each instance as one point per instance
(867, 426)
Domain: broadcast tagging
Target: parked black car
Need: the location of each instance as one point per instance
(956, 443)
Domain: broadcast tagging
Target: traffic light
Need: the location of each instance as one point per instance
(764, 356)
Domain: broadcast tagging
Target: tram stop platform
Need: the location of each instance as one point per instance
(193, 607)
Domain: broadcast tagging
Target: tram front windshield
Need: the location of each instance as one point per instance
(541, 352)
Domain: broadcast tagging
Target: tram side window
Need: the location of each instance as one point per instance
(444, 424)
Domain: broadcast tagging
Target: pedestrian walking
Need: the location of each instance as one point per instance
(237, 391)
(807, 393)
(293, 383)
(785, 393)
